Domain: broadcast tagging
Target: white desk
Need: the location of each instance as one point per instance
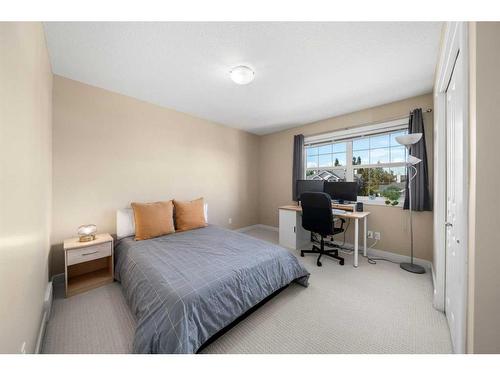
(292, 235)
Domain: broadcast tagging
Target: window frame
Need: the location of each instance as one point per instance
(348, 135)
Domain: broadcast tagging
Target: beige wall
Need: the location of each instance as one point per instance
(110, 149)
(25, 182)
(276, 176)
(484, 255)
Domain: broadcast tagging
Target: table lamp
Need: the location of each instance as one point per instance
(87, 232)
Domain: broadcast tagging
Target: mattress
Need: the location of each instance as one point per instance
(185, 287)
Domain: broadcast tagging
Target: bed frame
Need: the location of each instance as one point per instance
(239, 319)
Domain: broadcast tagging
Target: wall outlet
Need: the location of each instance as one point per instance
(230, 220)
(377, 235)
(370, 234)
(23, 347)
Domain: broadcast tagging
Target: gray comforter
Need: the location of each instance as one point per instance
(185, 287)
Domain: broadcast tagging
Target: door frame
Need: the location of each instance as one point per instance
(455, 40)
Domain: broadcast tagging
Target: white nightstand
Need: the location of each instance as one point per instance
(88, 264)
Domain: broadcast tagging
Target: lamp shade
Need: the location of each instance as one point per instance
(87, 232)
(409, 139)
(412, 160)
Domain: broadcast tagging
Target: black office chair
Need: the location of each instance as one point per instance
(317, 218)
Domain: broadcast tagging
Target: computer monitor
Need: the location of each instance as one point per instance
(309, 186)
(342, 191)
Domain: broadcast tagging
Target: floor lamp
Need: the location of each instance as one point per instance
(408, 140)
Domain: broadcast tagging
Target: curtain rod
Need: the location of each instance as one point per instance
(361, 125)
(429, 110)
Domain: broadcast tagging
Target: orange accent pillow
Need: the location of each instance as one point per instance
(189, 215)
(153, 219)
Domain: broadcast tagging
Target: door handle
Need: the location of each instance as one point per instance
(448, 224)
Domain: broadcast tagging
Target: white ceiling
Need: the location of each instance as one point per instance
(304, 72)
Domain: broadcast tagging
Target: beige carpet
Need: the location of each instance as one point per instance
(373, 309)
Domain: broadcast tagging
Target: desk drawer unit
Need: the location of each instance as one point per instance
(85, 254)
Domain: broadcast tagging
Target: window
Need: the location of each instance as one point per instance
(326, 162)
(369, 155)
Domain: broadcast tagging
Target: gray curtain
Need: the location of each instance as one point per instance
(298, 162)
(421, 200)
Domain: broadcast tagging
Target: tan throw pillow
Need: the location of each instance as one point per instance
(189, 215)
(153, 219)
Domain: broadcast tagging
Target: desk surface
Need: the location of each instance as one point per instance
(349, 215)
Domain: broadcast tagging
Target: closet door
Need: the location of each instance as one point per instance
(456, 222)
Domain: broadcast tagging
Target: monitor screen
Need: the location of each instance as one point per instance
(342, 191)
(308, 185)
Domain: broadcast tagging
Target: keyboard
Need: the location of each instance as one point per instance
(338, 212)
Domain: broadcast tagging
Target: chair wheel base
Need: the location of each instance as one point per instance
(334, 253)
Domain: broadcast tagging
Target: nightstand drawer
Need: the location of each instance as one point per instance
(89, 253)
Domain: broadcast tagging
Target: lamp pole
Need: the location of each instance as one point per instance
(411, 214)
(411, 267)
(408, 140)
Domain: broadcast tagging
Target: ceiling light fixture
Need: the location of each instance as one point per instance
(242, 74)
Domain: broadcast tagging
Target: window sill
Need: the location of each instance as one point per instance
(379, 202)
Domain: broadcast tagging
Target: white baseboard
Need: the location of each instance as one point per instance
(268, 227)
(376, 253)
(47, 308)
(256, 226)
(400, 258)
(395, 257)
(246, 229)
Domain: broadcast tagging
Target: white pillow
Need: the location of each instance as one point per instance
(125, 224)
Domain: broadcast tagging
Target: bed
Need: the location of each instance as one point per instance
(185, 287)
